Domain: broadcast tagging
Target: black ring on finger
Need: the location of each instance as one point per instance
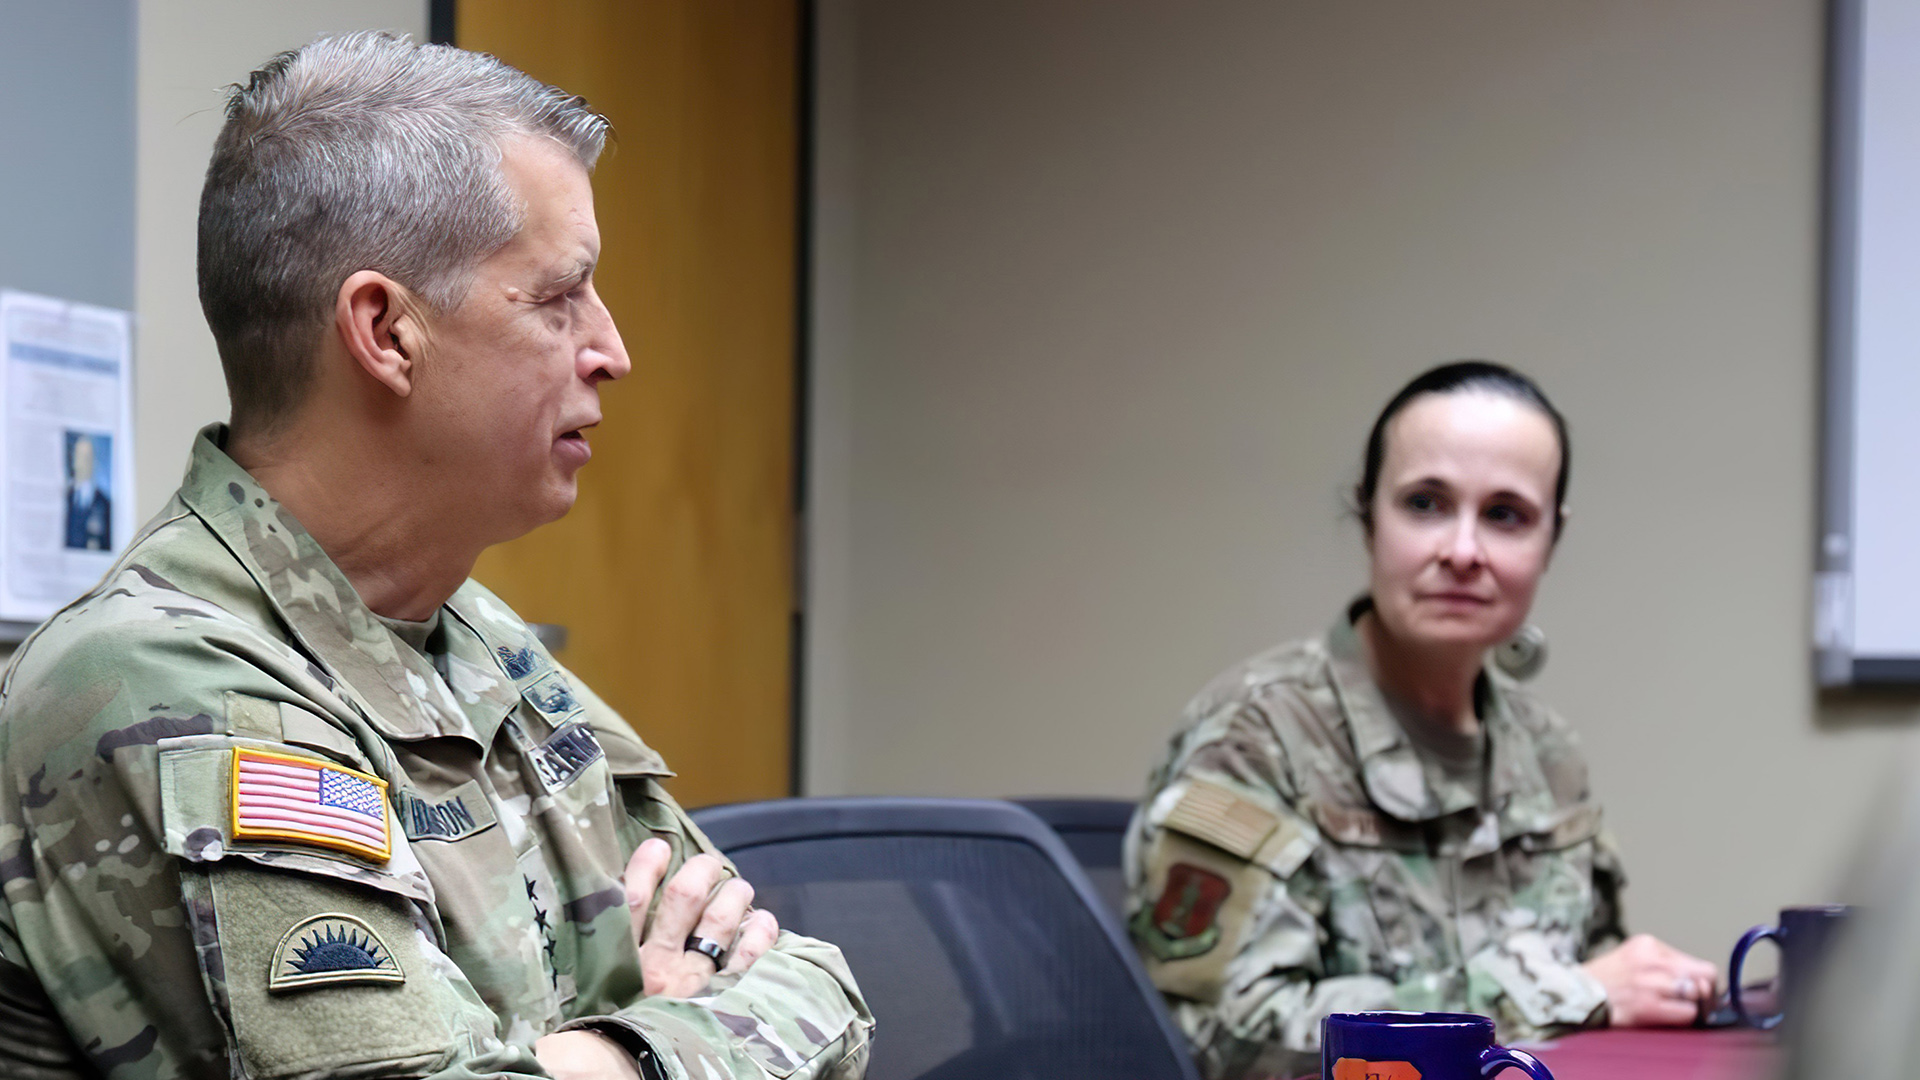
(708, 948)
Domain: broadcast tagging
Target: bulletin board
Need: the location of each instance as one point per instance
(1867, 580)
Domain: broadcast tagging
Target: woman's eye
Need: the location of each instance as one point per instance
(1421, 502)
(1510, 517)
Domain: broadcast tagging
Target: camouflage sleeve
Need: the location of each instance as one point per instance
(1228, 916)
(1531, 982)
(1530, 988)
(796, 1013)
(1229, 921)
(135, 941)
(1529, 976)
(1607, 927)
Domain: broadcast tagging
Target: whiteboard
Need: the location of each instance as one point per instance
(1867, 591)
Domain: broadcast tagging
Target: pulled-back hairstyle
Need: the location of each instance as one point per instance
(359, 152)
(1458, 377)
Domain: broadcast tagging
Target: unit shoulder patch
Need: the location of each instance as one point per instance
(328, 950)
(1182, 923)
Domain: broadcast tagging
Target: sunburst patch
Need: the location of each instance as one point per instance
(332, 949)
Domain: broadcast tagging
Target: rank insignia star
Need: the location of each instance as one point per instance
(548, 943)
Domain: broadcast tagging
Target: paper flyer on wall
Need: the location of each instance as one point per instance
(66, 400)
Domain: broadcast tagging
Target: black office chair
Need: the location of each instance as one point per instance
(1094, 830)
(972, 931)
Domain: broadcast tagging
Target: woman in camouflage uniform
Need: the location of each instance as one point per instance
(1376, 818)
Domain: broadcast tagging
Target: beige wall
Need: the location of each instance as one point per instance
(188, 51)
(1108, 293)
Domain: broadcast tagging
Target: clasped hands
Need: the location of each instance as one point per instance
(690, 906)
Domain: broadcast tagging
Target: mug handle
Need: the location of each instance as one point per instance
(1495, 1058)
(1747, 941)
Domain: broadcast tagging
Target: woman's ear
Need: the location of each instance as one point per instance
(379, 324)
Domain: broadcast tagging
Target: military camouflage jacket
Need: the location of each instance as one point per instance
(246, 831)
(1294, 857)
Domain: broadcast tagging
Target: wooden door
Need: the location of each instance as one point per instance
(674, 573)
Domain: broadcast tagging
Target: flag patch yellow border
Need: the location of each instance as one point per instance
(308, 801)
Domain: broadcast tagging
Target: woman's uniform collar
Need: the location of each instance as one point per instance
(1390, 768)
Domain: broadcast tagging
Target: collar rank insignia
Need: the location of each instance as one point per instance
(518, 662)
(331, 949)
(552, 695)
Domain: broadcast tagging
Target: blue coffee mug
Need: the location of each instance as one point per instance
(1803, 935)
(1426, 1045)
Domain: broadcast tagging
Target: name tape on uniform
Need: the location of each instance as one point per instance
(455, 816)
(565, 755)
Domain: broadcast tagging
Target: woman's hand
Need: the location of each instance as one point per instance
(1652, 984)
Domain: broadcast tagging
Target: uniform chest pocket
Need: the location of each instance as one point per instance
(1388, 907)
(1552, 870)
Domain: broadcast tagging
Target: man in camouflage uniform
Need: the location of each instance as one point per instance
(286, 795)
(1298, 854)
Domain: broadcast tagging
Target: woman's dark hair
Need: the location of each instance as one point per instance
(1462, 376)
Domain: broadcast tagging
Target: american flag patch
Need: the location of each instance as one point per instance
(279, 797)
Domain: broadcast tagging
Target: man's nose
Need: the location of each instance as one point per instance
(602, 354)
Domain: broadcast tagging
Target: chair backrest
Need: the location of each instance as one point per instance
(971, 930)
(1095, 830)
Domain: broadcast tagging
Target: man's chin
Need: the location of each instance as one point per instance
(551, 507)
(559, 502)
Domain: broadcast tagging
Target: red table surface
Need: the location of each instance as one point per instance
(1655, 1054)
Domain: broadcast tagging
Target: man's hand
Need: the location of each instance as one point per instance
(584, 1055)
(690, 906)
(1652, 984)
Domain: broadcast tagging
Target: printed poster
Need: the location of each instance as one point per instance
(66, 401)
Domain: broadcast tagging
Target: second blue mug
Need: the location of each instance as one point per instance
(1804, 935)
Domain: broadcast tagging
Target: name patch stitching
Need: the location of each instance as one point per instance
(565, 755)
(455, 817)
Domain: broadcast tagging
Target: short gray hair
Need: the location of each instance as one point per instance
(359, 152)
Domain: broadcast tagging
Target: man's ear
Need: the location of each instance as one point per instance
(379, 323)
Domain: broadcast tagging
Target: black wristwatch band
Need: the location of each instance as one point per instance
(633, 1043)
